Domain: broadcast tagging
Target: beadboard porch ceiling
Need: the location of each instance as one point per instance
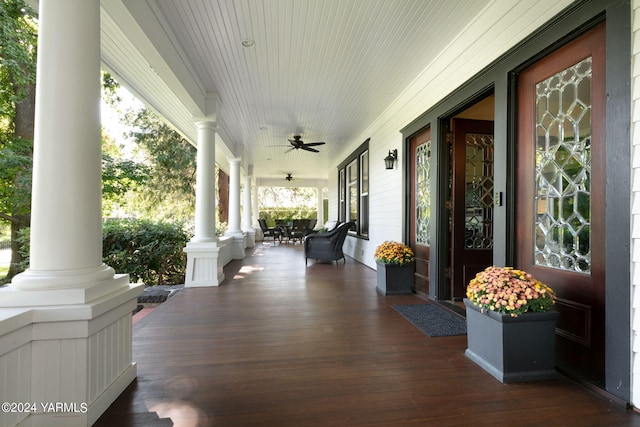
(322, 69)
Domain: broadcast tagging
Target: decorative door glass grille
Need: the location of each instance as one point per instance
(563, 170)
(479, 191)
(422, 194)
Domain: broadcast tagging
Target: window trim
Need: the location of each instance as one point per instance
(344, 185)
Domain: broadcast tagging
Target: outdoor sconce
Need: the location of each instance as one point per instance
(388, 161)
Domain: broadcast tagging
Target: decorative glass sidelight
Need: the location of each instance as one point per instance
(479, 191)
(563, 170)
(422, 194)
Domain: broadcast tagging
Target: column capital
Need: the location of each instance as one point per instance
(205, 124)
(208, 108)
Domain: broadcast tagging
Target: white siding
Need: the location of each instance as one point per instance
(635, 202)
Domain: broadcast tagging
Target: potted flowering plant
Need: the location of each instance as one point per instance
(395, 264)
(509, 291)
(510, 325)
(394, 253)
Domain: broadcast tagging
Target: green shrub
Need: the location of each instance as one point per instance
(148, 251)
(24, 247)
(151, 252)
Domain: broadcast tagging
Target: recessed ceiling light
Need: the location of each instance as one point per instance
(248, 43)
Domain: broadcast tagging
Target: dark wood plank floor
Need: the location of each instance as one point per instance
(279, 344)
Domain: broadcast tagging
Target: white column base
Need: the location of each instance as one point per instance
(19, 294)
(250, 241)
(71, 361)
(203, 268)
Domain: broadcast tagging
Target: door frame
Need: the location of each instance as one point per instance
(500, 75)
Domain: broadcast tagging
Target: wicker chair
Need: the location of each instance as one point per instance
(269, 232)
(327, 246)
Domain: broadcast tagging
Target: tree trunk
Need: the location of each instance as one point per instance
(18, 223)
(223, 196)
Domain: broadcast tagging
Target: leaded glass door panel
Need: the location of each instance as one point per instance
(420, 207)
(472, 201)
(560, 193)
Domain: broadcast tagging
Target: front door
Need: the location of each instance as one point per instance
(560, 207)
(420, 209)
(471, 201)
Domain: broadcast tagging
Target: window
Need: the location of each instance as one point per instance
(353, 190)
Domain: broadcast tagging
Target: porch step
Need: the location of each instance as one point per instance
(154, 295)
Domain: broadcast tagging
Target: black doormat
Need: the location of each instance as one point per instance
(433, 320)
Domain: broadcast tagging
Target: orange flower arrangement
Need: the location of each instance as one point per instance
(394, 253)
(509, 291)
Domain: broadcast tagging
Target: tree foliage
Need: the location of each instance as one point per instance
(119, 176)
(18, 50)
(169, 192)
(287, 203)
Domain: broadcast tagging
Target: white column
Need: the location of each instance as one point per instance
(234, 195)
(203, 266)
(68, 336)
(247, 220)
(66, 217)
(234, 231)
(320, 207)
(205, 223)
(255, 205)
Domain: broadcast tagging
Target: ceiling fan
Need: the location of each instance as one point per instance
(298, 143)
(289, 177)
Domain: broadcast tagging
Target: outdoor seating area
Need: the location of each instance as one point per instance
(281, 344)
(289, 230)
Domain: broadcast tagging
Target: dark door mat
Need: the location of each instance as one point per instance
(433, 320)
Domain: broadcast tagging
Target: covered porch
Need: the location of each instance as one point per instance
(265, 340)
(279, 344)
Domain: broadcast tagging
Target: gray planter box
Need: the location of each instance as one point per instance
(512, 349)
(394, 279)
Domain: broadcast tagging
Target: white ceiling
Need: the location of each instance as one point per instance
(323, 69)
(320, 69)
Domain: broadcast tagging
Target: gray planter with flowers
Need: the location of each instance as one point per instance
(512, 349)
(394, 266)
(394, 279)
(511, 329)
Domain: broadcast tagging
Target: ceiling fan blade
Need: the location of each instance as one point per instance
(304, 147)
(311, 144)
(290, 148)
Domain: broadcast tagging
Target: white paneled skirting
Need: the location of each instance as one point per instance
(64, 365)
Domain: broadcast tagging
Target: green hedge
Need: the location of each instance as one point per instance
(150, 252)
(273, 214)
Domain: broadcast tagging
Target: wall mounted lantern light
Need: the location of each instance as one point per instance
(388, 161)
